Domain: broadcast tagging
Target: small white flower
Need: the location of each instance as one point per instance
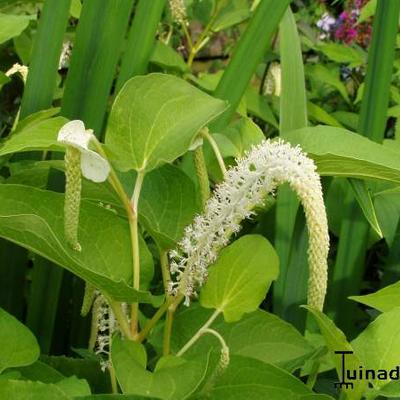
(273, 83)
(105, 324)
(93, 166)
(18, 69)
(65, 55)
(326, 22)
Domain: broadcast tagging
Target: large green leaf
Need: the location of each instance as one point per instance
(247, 378)
(43, 57)
(98, 41)
(173, 379)
(87, 369)
(241, 276)
(339, 152)
(378, 346)
(259, 335)
(12, 25)
(31, 217)
(65, 389)
(336, 341)
(140, 42)
(154, 120)
(163, 220)
(26, 390)
(383, 300)
(37, 135)
(293, 94)
(19, 346)
(287, 237)
(40, 371)
(120, 397)
(166, 219)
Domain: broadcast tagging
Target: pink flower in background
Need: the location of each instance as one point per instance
(348, 30)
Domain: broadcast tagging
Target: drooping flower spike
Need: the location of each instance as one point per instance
(78, 159)
(246, 185)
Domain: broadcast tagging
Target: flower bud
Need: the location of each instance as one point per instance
(72, 196)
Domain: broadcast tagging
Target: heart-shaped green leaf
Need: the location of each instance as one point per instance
(259, 335)
(37, 135)
(240, 278)
(248, 378)
(166, 219)
(154, 120)
(65, 389)
(31, 218)
(173, 379)
(18, 345)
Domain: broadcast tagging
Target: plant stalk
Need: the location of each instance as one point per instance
(156, 317)
(133, 218)
(216, 150)
(202, 175)
(199, 333)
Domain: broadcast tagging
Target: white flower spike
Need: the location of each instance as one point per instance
(93, 166)
(246, 185)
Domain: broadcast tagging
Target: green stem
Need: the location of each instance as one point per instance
(165, 268)
(202, 175)
(171, 301)
(135, 248)
(171, 309)
(113, 177)
(131, 208)
(216, 150)
(188, 37)
(201, 41)
(113, 379)
(168, 330)
(199, 333)
(312, 377)
(217, 335)
(122, 322)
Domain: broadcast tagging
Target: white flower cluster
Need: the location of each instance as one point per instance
(273, 83)
(246, 185)
(326, 23)
(65, 55)
(18, 69)
(106, 324)
(178, 11)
